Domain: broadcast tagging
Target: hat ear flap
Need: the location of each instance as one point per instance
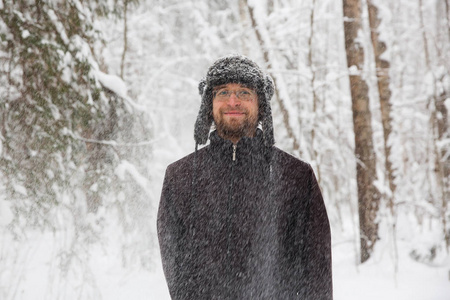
(269, 87)
(267, 122)
(267, 126)
(204, 117)
(201, 86)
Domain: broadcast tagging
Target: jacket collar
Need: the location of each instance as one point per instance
(246, 147)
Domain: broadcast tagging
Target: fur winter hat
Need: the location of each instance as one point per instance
(235, 69)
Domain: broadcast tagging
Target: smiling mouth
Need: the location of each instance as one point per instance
(234, 113)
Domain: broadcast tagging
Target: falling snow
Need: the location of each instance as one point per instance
(169, 48)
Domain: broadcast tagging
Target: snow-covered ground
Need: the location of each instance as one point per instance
(377, 279)
(34, 275)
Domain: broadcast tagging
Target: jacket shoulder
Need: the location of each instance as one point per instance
(185, 164)
(281, 157)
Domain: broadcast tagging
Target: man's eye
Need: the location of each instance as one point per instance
(223, 93)
(244, 93)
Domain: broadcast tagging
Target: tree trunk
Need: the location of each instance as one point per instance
(125, 38)
(282, 102)
(444, 159)
(383, 80)
(314, 151)
(368, 194)
(443, 132)
(439, 125)
(244, 20)
(447, 13)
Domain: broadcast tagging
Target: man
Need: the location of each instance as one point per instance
(239, 218)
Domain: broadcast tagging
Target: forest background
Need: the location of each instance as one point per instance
(98, 97)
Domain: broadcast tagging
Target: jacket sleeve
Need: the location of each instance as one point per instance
(169, 234)
(317, 246)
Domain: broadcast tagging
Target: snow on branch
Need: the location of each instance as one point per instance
(116, 85)
(65, 131)
(126, 167)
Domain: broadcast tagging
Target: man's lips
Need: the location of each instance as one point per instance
(234, 113)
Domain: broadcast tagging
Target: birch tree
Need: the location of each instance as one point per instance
(368, 194)
(439, 125)
(383, 82)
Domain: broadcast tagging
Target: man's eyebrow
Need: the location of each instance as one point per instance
(224, 85)
(219, 87)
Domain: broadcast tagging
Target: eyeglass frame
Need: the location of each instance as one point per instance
(252, 94)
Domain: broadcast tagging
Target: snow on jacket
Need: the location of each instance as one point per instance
(244, 223)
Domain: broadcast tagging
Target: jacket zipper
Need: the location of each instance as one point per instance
(234, 152)
(229, 212)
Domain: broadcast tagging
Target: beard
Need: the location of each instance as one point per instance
(235, 128)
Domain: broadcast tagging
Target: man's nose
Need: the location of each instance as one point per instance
(234, 100)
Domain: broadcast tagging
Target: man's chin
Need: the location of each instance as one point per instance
(234, 122)
(233, 130)
(235, 127)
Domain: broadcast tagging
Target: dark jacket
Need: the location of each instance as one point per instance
(250, 228)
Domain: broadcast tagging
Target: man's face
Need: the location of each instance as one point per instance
(235, 111)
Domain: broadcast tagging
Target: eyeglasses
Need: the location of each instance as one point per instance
(242, 94)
